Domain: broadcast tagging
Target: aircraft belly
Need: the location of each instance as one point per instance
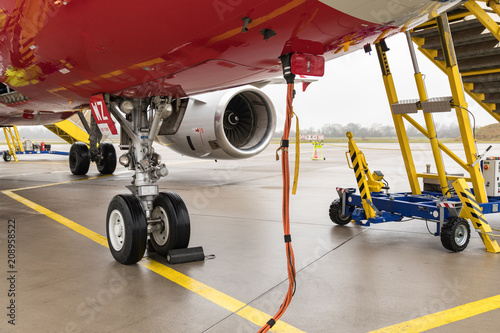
(62, 53)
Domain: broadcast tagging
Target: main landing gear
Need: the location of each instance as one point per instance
(146, 218)
(103, 154)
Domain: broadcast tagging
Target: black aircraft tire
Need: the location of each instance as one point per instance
(6, 156)
(106, 164)
(336, 213)
(455, 234)
(175, 232)
(79, 158)
(126, 229)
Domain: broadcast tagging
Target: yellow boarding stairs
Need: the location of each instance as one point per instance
(475, 31)
(463, 44)
(70, 130)
(476, 36)
(13, 142)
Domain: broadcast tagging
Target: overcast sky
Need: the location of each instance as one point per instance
(352, 90)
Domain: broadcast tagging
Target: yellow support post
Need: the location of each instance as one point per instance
(460, 104)
(441, 145)
(495, 6)
(398, 122)
(362, 172)
(18, 140)
(13, 141)
(429, 121)
(472, 211)
(483, 17)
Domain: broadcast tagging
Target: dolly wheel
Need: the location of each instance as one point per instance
(336, 213)
(455, 234)
(6, 156)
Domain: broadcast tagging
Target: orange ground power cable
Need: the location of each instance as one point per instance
(286, 211)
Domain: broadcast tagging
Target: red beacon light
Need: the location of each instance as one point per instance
(308, 64)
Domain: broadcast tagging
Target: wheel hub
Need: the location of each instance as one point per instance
(460, 237)
(116, 230)
(161, 231)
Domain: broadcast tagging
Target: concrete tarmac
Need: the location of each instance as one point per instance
(349, 278)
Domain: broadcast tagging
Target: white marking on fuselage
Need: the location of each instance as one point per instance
(384, 11)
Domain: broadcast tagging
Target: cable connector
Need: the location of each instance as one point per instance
(285, 143)
(271, 322)
(288, 238)
(286, 63)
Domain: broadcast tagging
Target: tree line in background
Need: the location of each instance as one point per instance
(328, 130)
(375, 131)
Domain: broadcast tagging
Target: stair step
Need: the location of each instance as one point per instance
(461, 38)
(455, 27)
(478, 64)
(481, 78)
(491, 98)
(485, 48)
(486, 88)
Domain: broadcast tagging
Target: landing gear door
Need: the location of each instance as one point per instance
(102, 116)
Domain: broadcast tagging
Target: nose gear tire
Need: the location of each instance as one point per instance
(175, 230)
(126, 229)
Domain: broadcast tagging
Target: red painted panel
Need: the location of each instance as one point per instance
(102, 116)
(62, 52)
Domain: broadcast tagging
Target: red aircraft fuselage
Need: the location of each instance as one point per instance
(59, 53)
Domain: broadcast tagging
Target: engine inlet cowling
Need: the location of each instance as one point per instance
(231, 124)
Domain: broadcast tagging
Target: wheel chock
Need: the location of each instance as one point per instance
(190, 254)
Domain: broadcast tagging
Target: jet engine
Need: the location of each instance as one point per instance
(230, 124)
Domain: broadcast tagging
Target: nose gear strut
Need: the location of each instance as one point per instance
(146, 213)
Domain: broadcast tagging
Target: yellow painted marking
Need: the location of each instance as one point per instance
(61, 183)
(115, 73)
(258, 21)
(59, 218)
(37, 162)
(57, 89)
(148, 63)
(445, 317)
(82, 82)
(225, 301)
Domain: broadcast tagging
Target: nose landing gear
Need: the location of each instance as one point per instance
(146, 213)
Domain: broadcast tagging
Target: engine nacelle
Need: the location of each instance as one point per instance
(230, 124)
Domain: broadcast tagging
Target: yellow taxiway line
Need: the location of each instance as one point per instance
(225, 301)
(240, 308)
(442, 318)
